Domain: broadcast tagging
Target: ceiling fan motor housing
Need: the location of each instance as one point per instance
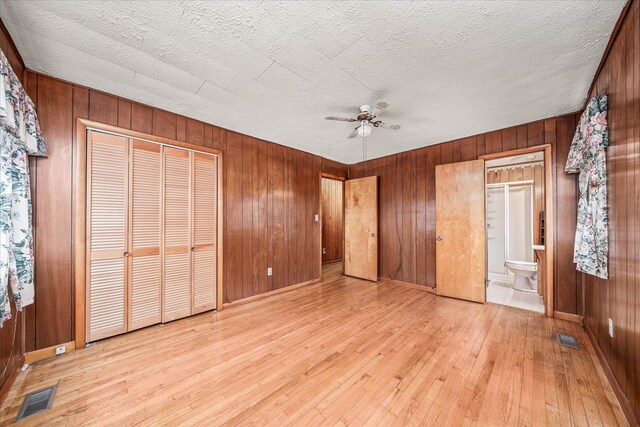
(365, 113)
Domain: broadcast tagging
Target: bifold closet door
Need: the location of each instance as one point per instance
(177, 299)
(205, 180)
(108, 157)
(145, 267)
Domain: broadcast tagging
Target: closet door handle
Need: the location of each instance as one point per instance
(193, 249)
(126, 254)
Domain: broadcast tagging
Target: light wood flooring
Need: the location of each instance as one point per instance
(340, 352)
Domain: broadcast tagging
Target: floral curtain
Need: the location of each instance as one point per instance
(20, 136)
(588, 158)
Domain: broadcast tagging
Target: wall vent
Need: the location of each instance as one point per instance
(36, 402)
(568, 341)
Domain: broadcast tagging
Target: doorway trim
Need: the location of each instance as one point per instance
(80, 214)
(549, 208)
(335, 178)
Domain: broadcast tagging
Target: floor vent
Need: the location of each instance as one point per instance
(568, 341)
(36, 402)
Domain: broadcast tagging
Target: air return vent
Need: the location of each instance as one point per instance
(568, 341)
(36, 402)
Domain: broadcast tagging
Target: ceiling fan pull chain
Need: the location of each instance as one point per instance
(364, 141)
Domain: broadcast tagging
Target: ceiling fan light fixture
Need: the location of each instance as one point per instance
(364, 129)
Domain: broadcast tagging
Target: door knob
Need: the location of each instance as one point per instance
(193, 249)
(439, 238)
(126, 254)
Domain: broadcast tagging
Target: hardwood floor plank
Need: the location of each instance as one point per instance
(339, 352)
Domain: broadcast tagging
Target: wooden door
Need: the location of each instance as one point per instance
(176, 299)
(460, 230)
(361, 228)
(205, 193)
(145, 278)
(107, 206)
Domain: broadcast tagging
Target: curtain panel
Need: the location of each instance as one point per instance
(20, 136)
(587, 157)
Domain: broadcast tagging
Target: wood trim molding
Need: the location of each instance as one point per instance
(80, 214)
(45, 353)
(550, 224)
(320, 227)
(80, 235)
(516, 152)
(11, 379)
(90, 124)
(569, 317)
(220, 236)
(330, 176)
(268, 294)
(622, 400)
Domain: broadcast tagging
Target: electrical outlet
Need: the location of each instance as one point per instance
(611, 328)
(269, 271)
(60, 350)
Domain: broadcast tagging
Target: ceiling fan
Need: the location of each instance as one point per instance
(367, 118)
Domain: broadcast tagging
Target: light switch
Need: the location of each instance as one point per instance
(317, 217)
(269, 271)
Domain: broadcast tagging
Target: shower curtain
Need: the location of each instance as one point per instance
(588, 158)
(20, 136)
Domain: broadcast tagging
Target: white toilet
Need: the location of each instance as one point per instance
(525, 275)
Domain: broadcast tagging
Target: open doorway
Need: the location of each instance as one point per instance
(516, 212)
(332, 226)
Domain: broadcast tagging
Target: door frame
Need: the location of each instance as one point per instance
(335, 178)
(79, 243)
(549, 217)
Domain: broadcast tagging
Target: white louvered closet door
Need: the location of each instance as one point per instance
(107, 186)
(205, 191)
(177, 236)
(145, 267)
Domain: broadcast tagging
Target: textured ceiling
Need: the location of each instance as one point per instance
(274, 70)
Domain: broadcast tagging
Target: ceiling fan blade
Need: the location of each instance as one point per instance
(353, 134)
(340, 119)
(377, 109)
(387, 126)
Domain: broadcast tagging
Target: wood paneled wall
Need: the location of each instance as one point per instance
(535, 174)
(271, 194)
(619, 297)
(11, 334)
(407, 201)
(332, 220)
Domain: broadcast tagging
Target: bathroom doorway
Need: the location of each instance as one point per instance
(516, 214)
